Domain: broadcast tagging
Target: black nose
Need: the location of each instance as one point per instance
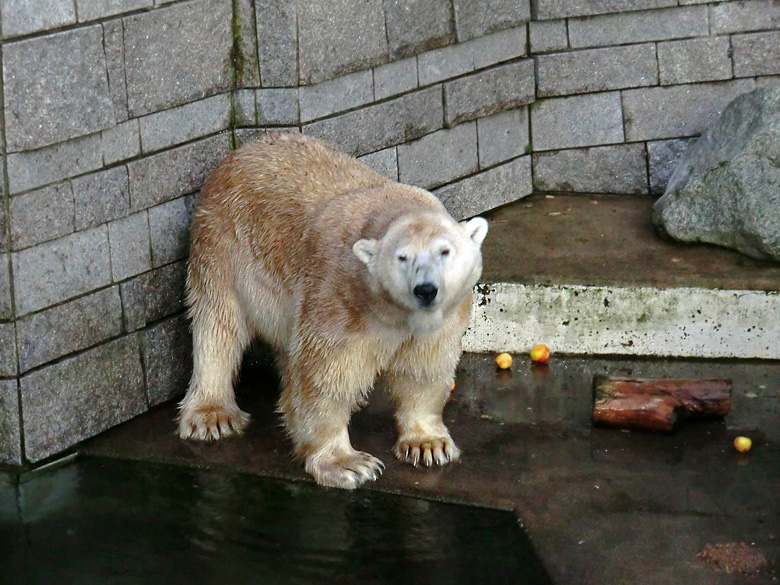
(425, 293)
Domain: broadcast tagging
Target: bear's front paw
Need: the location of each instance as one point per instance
(344, 470)
(209, 423)
(427, 450)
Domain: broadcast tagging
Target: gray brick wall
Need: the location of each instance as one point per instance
(705, 59)
(20, 17)
(160, 73)
(42, 215)
(384, 162)
(383, 124)
(415, 27)
(595, 70)
(153, 295)
(112, 122)
(618, 168)
(80, 396)
(36, 168)
(496, 186)
(744, 16)
(633, 27)
(277, 47)
(69, 327)
(440, 157)
(161, 177)
(756, 54)
(59, 270)
(71, 64)
(495, 90)
(8, 357)
(678, 110)
(583, 120)
(452, 61)
(340, 36)
(100, 197)
(476, 19)
(549, 9)
(6, 306)
(10, 424)
(166, 350)
(130, 246)
(502, 137)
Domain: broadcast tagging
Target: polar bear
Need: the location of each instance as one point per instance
(348, 275)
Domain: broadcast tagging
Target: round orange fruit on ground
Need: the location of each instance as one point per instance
(540, 353)
(743, 444)
(504, 361)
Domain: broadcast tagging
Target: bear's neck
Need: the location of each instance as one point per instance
(425, 322)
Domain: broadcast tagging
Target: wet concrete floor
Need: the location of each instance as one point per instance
(601, 506)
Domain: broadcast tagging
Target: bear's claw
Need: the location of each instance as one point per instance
(439, 450)
(211, 423)
(347, 471)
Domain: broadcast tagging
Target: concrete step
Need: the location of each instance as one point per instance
(588, 274)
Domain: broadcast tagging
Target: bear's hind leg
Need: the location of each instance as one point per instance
(209, 410)
(337, 464)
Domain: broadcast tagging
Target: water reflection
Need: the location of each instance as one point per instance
(108, 521)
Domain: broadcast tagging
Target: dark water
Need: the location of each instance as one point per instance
(100, 521)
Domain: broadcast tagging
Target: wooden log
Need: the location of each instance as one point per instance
(657, 404)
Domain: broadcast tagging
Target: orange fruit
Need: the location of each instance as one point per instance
(742, 444)
(504, 361)
(540, 353)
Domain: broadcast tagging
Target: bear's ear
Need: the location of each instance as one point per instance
(366, 250)
(476, 229)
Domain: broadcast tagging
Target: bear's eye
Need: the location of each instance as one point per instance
(402, 257)
(445, 252)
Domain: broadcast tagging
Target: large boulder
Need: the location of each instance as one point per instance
(726, 188)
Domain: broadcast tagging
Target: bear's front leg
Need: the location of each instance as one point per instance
(423, 437)
(316, 414)
(420, 381)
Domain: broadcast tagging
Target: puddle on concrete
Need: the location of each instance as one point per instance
(559, 393)
(111, 521)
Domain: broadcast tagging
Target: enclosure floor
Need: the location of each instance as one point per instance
(604, 240)
(601, 506)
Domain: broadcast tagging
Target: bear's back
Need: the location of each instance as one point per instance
(270, 193)
(284, 171)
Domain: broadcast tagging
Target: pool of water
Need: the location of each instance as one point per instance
(96, 520)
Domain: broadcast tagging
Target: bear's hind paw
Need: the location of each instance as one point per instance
(346, 471)
(427, 450)
(211, 423)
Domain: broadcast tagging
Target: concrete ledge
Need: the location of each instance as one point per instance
(681, 322)
(589, 275)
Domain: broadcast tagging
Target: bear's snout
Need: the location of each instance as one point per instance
(426, 293)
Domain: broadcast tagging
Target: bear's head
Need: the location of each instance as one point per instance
(427, 262)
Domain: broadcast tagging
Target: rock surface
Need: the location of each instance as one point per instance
(726, 188)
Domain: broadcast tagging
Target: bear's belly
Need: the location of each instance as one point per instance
(268, 308)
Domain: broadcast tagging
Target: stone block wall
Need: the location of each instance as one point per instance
(623, 86)
(114, 112)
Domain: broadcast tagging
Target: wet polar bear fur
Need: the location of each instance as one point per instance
(348, 275)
